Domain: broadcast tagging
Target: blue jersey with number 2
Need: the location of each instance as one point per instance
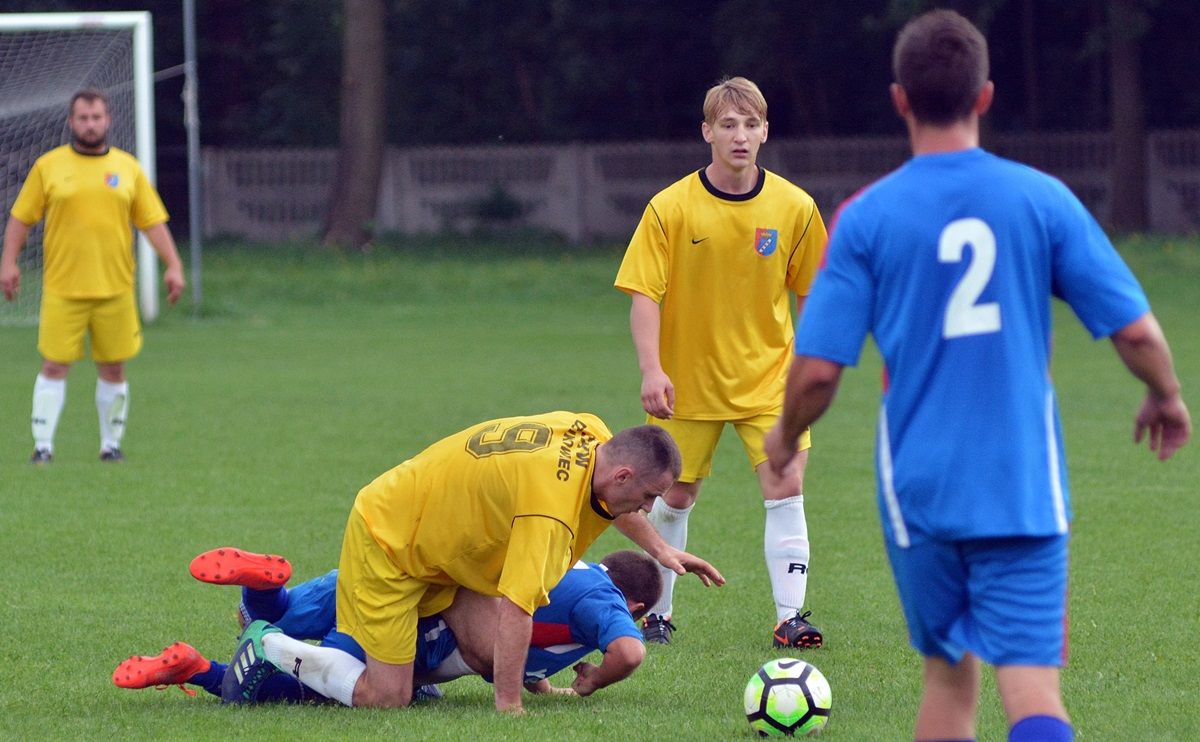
(950, 262)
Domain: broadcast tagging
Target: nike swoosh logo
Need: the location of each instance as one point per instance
(698, 241)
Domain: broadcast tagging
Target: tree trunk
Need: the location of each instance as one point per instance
(363, 108)
(1126, 26)
(1029, 66)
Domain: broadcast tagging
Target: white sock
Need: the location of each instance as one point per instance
(330, 672)
(671, 524)
(112, 404)
(785, 544)
(48, 398)
(451, 668)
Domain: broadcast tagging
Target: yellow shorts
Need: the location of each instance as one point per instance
(112, 323)
(697, 439)
(377, 604)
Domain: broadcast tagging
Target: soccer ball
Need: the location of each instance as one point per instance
(788, 697)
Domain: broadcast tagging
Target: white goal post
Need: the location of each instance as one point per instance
(44, 59)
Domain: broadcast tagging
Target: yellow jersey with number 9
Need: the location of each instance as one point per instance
(504, 507)
(89, 202)
(722, 268)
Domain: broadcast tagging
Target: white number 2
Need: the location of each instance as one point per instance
(963, 315)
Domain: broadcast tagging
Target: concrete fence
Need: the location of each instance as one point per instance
(598, 191)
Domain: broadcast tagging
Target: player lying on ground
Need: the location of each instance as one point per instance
(594, 607)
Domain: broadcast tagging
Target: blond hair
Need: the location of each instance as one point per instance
(734, 93)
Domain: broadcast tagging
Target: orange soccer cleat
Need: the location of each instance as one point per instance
(229, 566)
(175, 665)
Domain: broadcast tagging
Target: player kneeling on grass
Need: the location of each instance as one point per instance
(594, 607)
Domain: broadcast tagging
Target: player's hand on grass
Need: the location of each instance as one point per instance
(681, 562)
(511, 709)
(585, 679)
(658, 394)
(1164, 423)
(10, 281)
(544, 687)
(173, 279)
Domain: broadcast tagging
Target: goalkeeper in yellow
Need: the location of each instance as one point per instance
(89, 193)
(711, 269)
(503, 508)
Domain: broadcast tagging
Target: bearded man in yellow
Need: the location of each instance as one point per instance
(89, 193)
(503, 508)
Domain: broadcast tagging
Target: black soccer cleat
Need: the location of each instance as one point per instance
(427, 693)
(796, 632)
(657, 629)
(112, 455)
(41, 456)
(249, 669)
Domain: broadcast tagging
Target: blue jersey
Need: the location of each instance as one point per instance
(950, 263)
(586, 612)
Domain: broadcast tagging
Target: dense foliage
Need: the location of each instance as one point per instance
(563, 70)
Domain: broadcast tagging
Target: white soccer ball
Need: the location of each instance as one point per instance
(788, 697)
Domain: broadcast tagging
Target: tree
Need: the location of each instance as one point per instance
(1127, 24)
(363, 109)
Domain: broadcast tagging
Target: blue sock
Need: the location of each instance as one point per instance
(210, 679)
(265, 605)
(279, 688)
(283, 688)
(1041, 729)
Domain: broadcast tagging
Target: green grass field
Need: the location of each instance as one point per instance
(308, 374)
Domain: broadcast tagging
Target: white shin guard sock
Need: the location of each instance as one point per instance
(330, 672)
(112, 405)
(48, 398)
(785, 545)
(671, 524)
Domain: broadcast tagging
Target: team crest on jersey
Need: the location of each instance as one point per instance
(765, 241)
(111, 180)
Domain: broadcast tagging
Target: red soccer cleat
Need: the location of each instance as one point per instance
(229, 566)
(175, 665)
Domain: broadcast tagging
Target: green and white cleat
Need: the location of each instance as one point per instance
(249, 667)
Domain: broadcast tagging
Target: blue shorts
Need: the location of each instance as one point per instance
(310, 613)
(435, 642)
(1001, 599)
(311, 608)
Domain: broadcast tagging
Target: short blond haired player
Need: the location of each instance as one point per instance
(89, 193)
(711, 268)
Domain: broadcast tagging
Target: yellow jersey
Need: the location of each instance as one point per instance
(89, 202)
(504, 507)
(720, 267)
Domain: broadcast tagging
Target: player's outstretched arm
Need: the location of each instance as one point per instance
(622, 657)
(10, 274)
(638, 529)
(1163, 418)
(164, 244)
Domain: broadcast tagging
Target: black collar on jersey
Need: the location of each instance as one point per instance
(757, 189)
(90, 154)
(599, 509)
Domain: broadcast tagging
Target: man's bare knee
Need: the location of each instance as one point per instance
(54, 370)
(384, 685)
(683, 494)
(472, 618)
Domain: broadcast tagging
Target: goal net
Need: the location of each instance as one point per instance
(45, 58)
